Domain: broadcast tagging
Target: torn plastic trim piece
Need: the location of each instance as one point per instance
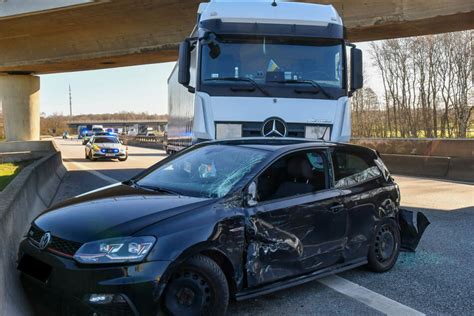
(409, 231)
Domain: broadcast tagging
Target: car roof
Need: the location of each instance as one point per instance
(280, 143)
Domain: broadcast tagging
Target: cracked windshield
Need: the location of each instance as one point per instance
(211, 171)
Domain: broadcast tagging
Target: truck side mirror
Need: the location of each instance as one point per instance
(184, 63)
(357, 77)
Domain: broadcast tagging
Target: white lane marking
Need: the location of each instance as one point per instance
(94, 172)
(370, 298)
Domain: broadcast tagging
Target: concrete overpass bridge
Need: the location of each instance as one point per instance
(73, 35)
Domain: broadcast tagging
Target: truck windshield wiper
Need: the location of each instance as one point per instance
(314, 83)
(253, 82)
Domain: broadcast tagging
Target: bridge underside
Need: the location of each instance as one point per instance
(131, 32)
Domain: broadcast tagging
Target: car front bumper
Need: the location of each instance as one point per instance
(136, 287)
(99, 154)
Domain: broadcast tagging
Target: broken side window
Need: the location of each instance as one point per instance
(351, 168)
(292, 175)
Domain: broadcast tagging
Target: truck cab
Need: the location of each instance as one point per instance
(263, 68)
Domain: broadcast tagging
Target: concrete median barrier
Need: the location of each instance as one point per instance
(451, 159)
(32, 191)
(436, 167)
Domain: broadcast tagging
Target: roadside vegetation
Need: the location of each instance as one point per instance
(8, 171)
(428, 89)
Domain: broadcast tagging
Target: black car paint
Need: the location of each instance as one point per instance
(261, 248)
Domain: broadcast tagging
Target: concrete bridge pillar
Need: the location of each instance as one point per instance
(19, 100)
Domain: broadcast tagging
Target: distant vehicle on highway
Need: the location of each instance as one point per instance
(281, 69)
(97, 129)
(148, 133)
(105, 146)
(220, 220)
(86, 138)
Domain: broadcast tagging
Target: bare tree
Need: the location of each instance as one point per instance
(428, 88)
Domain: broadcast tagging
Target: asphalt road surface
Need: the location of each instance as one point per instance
(437, 279)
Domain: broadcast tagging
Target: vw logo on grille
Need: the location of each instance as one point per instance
(44, 241)
(274, 127)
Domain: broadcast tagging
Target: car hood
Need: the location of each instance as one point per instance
(114, 211)
(109, 145)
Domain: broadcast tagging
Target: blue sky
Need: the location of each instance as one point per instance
(138, 89)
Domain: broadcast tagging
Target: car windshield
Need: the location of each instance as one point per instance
(210, 171)
(271, 59)
(105, 140)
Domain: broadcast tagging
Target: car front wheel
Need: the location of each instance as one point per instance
(385, 247)
(198, 287)
(91, 157)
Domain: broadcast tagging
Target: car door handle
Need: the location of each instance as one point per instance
(337, 208)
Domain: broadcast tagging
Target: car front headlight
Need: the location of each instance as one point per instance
(228, 131)
(317, 132)
(115, 250)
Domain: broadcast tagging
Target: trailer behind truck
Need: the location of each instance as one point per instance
(263, 68)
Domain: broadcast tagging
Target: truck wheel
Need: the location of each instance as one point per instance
(198, 287)
(385, 246)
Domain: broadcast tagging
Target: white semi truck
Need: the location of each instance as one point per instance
(263, 68)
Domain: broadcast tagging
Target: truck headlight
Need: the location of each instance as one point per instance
(228, 131)
(115, 250)
(317, 132)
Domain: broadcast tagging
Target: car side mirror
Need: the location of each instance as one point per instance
(357, 76)
(251, 194)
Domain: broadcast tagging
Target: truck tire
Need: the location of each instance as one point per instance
(198, 287)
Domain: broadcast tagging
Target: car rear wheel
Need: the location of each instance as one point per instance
(198, 287)
(385, 247)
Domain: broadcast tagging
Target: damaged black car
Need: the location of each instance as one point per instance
(221, 220)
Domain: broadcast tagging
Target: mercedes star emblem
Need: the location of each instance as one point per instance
(44, 241)
(274, 127)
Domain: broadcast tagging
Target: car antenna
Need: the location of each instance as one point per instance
(274, 3)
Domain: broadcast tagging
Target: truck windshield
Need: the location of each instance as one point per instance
(274, 61)
(210, 172)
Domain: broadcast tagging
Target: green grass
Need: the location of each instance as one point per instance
(8, 172)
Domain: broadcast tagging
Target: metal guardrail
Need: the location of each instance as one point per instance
(144, 141)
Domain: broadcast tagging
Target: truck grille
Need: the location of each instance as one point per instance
(254, 129)
(59, 246)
